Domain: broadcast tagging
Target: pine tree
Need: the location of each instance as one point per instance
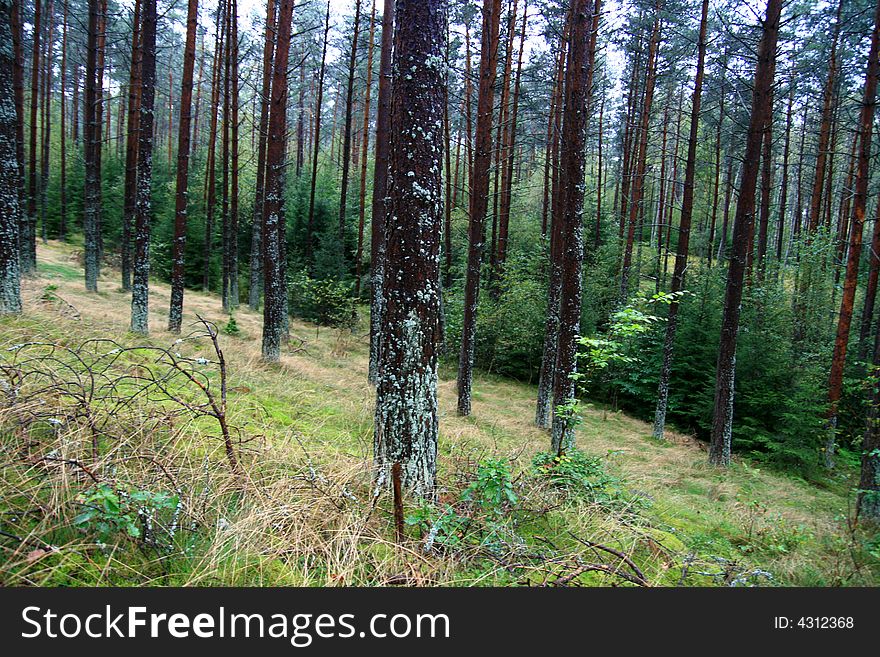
(406, 395)
(10, 175)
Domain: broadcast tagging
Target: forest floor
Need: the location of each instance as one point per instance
(306, 515)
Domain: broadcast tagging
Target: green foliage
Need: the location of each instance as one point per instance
(108, 512)
(231, 327)
(325, 301)
(577, 473)
(493, 487)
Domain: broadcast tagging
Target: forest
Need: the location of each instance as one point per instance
(439, 292)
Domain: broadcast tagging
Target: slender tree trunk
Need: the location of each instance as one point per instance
(860, 198)
(479, 201)
(684, 232)
(131, 144)
(365, 146)
(870, 289)
(92, 192)
(310, 226)
(62, 180)
(275, 289)
(18, 95)
(140, 292)
(46, 127)
(380, 190)
(256, 272)
(178, 257)
(722, 419)
(406, 396)
(766, 180)
(28, 236)
(507, 186)
(10, 173)
(578, 77)
(783, 192)
(234, 296)
(635, 204)
(211, 176)
(346, 138)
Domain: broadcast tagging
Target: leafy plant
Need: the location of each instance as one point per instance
(109, 512)
(232, 328)
(493, 488)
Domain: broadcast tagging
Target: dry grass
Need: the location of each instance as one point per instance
(303, 512)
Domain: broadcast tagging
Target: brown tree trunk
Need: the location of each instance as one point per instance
(722, 417)
(28, 235)
(134, 95)
(310, 226)
(143, 204)
(178, 256)
(62, 180)
(211, 164)
(869, 483)
(479, 201)
(380, 190)
(860, 198)
(275, 289)
(346, 135)
(578, 77)
(406, 396)
(91, 135)
(365, 145)
(635, 203)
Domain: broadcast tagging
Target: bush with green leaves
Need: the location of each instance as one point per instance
(150, 517)
(578, 474)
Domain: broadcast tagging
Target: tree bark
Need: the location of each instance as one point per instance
(140, 292)
(10, 173)
(406, 396)
(578, 78)
(684, 232)
(722, 418)
(380, 190)
(275, 289)
(346, 137)
(860, 198)
(479, 201)
(178, 257)
(365, 146)
(91, 134)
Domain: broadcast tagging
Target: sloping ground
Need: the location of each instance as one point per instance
(688, 522)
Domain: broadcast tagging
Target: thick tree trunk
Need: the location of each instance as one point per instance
(722, 418)
(860, 198)
(578, 78)
(275, 289)
(140, 293)
(684, 232)
(380, 190)
(175, 313)
(10, 173)
(406, 395)
(479, 201)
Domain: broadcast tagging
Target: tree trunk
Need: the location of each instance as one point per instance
(380, 190)
(62, 179)
(578, 77)
(92, 192)
(860, 198)
(175, 313)
(256, 273)
(406, 395)
(346, 137)
(479, 201)
(310, 226)
(365, 146)
(10, 173)
(275, 289)
(684, 232)
(28, 235)
(722, 418)
(134, 99)
(18, 94)
(638, 182)
(211, 176)
(140, 292)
